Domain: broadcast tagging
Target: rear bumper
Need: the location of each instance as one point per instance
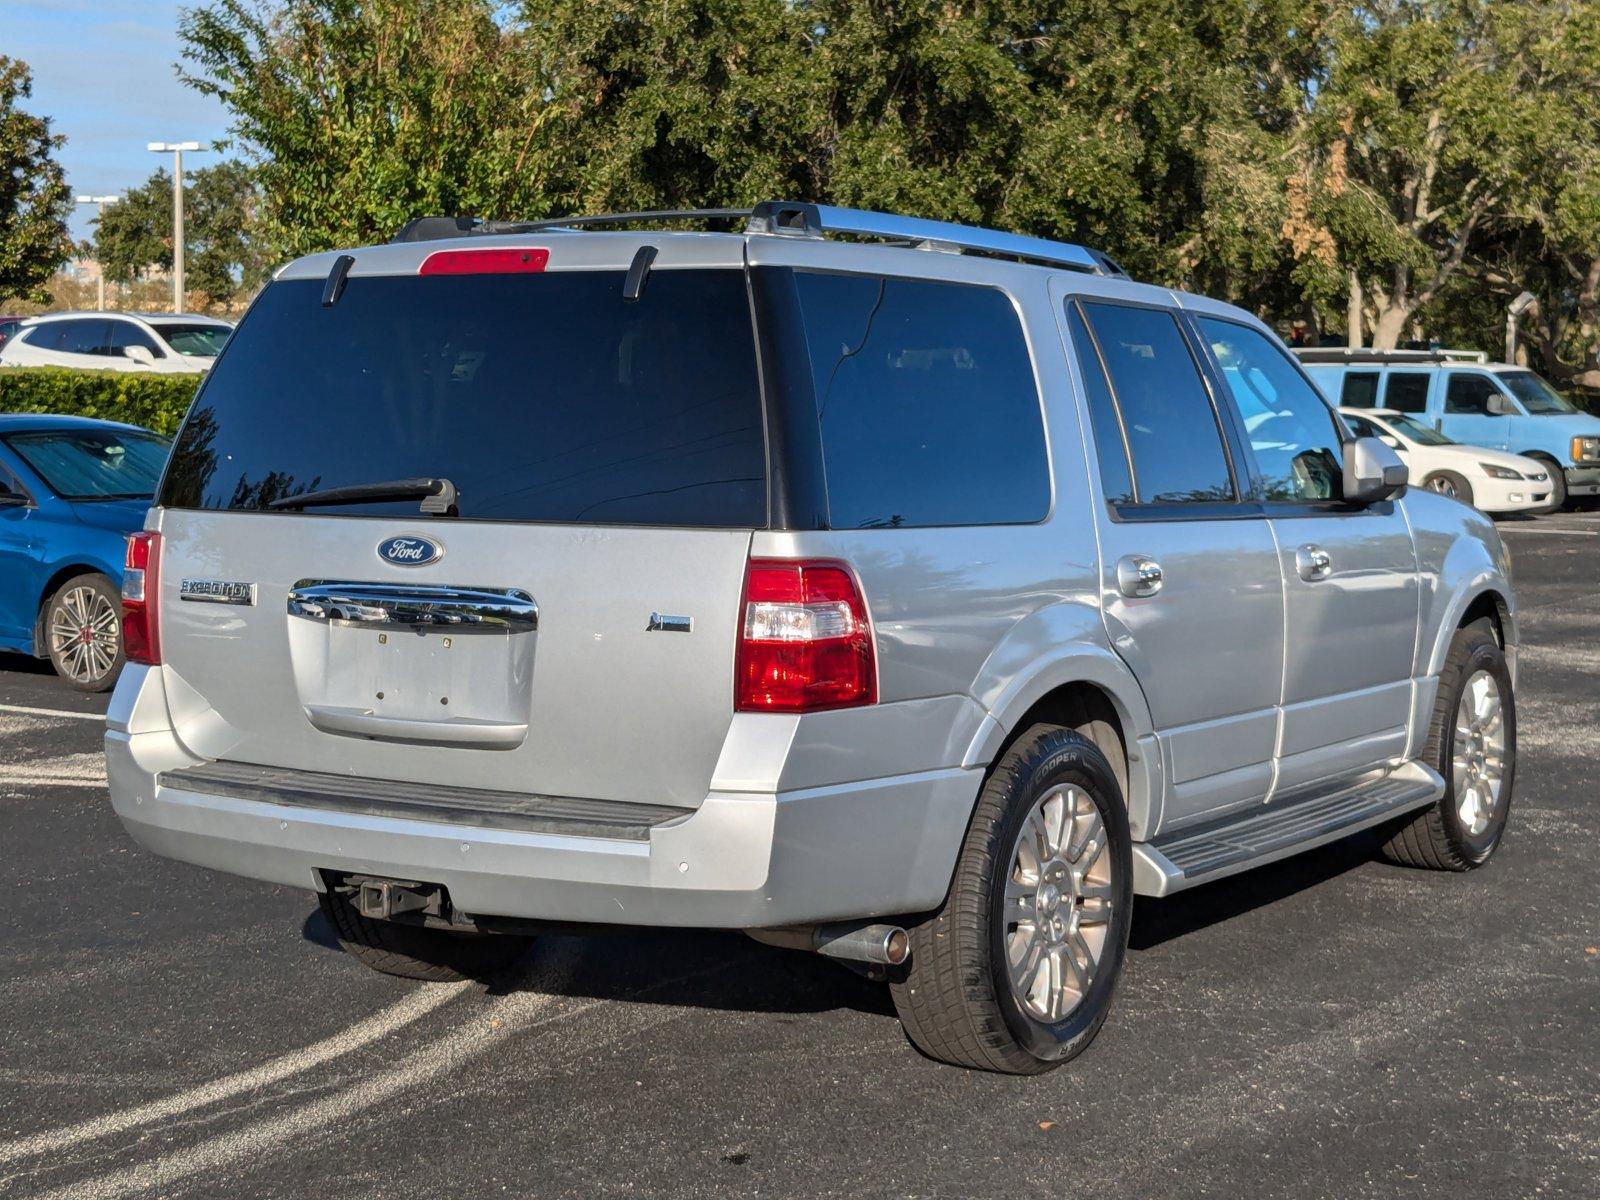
(741, 860)
(1583, 481)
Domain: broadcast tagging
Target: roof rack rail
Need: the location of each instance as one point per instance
(792, 219)
(1363, 354)
(815, 220)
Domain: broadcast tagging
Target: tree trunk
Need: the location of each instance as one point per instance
(1353, 317)
(1388, 323)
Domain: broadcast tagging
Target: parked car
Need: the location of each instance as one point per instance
(182, 344)
(71, 490)
(1493, 405)
(1490, 480)
(8, 326)
(918, 601)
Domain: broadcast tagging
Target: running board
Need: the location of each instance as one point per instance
(1192, 856)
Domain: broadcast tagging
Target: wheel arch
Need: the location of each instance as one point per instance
(1093, 692)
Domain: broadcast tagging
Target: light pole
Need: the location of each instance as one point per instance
(176, 149)
(1514, 310)
(100, 284)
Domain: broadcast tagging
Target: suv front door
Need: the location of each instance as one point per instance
(1190, 589)
(1349, 573)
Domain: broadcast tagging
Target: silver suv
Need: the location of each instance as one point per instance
(912, 593)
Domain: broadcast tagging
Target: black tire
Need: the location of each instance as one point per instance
(1558, 483)
(415, 952)
(92, 604)
(955, 1000)
(1448, 483)
(1437, 838)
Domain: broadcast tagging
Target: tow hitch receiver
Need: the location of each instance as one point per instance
(383, 899)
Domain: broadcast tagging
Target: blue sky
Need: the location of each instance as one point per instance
(103, 73)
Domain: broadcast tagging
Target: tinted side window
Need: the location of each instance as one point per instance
(126, 333)
(1173, 436)
(10, 486)
(1110, 445)
(1406, 391)
(1293, 435)
(926, 403)
(1469, 392)
(1362, 427)
(81, 337)
(1360, 390)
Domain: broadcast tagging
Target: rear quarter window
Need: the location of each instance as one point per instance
(926, 403)
(542, 397)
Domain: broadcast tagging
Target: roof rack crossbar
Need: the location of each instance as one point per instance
(792, 219)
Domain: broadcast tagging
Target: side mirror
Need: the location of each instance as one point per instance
(140, 355)
(1499, 406)
(1390, 441)
(1372, 471)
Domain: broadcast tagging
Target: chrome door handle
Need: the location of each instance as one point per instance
(1138, 577)
(1313, 563)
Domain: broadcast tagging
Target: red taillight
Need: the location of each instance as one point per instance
(805, 642)
(141, 591)
(483, 262)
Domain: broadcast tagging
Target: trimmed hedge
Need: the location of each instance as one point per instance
(136, 398)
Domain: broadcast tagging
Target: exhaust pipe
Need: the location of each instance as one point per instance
(852, 941)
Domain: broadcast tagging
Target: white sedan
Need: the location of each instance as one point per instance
(1491, 480)
(179, 344)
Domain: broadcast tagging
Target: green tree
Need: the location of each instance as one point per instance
(34, 198)
(225, 250)
(360, 114)
(1423, 133)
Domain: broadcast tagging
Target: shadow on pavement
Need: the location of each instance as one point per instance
(683, 968)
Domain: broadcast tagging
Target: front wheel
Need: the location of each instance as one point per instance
(1472, 743)
(1016, 972)
(1448, 483)
(1558, 483)
(83, 632)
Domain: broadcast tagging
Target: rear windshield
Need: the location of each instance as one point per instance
(541, 397)
(94, 464)
(193, 341)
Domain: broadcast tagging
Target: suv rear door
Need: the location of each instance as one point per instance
(610, 461)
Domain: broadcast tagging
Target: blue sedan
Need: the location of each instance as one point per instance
(71, 489)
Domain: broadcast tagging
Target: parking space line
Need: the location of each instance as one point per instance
(415, 1006)
(52, 712)
(1588, 533)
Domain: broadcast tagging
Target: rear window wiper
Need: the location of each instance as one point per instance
(438, 496)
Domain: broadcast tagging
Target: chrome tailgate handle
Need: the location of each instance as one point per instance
(1138, 577)
(1313, 563)
(390, 605)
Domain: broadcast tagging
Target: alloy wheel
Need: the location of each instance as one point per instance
(85, 634)
(1478, 761)
(1058, 901)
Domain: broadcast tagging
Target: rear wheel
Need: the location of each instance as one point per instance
(1472, 743)
(1448, 483)
(83, 632)
(416, 952)
(1016, 972)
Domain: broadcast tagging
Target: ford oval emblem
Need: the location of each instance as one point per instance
(409, 550)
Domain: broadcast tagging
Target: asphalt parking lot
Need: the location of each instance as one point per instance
(1330, 1026)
